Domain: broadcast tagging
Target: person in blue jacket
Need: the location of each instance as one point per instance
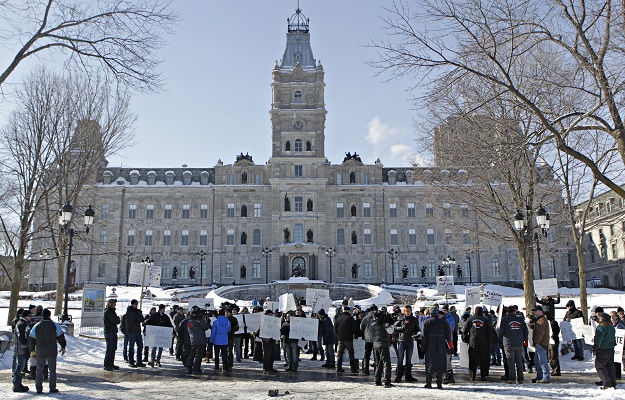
(219, 338)
(449, 376)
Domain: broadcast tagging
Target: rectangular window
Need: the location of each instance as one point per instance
(149, 211)
(448, 237)
(230, 210)
(256, 237)
(184, 269)
(429, 210)
(298, 170)
(412, 237)
(393, 210)
(104, 237)
(340, 211)
(186, 211)
(101, 269)
(230, 237)
(257, 210)
(132, 211)
(231, 179)
(466, 237)
(299, 233)
(467, 267)
(203, 237)
(496, 271)
(394, 238)
(165, 272)
(167, 238)
(256, 269)
(412, 212)
(230, 269)
(339, 179)
(257, 179)
(365, 178)
(612, 231)
(614, 251)
(184, 239)
(131, 238)
(368, 269)
(167, 211)
(446, 210)
(431, 268)
(148, 237)
(340, 270)
(464, 210)
(414, 270)
(430, 237)
(340, 237)
(367, 236)
(299, 204)
(105, 211)
(366, 209)
(204, 211)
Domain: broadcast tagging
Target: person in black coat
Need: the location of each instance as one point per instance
(159, 318)
(407, 327)
(381, 346)
(345, 329)
(436, 333)
(133, 319)
(478, 333)
(549, 305)
(572, 312)
(111, 320)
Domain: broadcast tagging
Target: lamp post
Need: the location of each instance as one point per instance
(202, 254)
(392, 253)
(330, 252)
(266, 253)
(542, 220)
(469, 254)
(65, 217)
(449, 262)
(128, 257)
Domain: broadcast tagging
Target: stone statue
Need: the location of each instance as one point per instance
(309, 236)
(309, 205)
(287, 235)
(354, 238)
(287, 203)
(243, 238)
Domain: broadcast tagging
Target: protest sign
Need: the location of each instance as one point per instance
(201, 302)
(252, 321)
(422, 319)
(158, 336)
(270, 327)
(286, 302)
(272, 305)
(589, 333)
(577, 325)
(618, 350)
(546, 287)
(239, 318)
(359, 348)
(567, 332)
(144, 275)
(136, 273)
(304, 328)
(445, 284)
(463, 352)
(492, 298)
(530, 340)
(315, 296)
(472, 296)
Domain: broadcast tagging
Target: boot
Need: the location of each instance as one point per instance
(428, 382)
(399, 373)
(339, 365)
(354, 365)
(449, 377)
(365, 366)
(409, 377)
(439, 384)
(471, 375)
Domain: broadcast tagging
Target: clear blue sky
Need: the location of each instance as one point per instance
(217, 67)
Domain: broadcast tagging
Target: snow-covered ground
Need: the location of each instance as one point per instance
(81, 376)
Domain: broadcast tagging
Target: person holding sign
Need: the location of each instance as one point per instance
(381, 347)
(605, 339)
(549, 305)
(328, 337)
(158, 319)
(540, 337)
(513, 333)
(573, 312)
(269, 351)
(478, 334)
(290, 344)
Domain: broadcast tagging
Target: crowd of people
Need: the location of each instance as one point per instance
(521, 344)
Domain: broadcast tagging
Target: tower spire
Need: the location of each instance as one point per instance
(298, 22)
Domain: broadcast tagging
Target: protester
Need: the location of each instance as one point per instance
(20, 349)
(408, 327)
(111, 320)
(43, 340)
(449, 375)
(329, 338)
(196, 328)
(578, 344)
(290, 343)
(219, 338)
(554, 348)
(478, 334)
(605, 340)
(436, 334)
(133, 320)
(345, 329)
(513, 333)
(381, 347)
(178, 318)
(234, 327)
(549, 305)
(269, 351)
(540, 338)
(159, 318)
(365, 327)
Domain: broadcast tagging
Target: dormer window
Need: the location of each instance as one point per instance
(298, 145)
(298, 56)
(297, 98)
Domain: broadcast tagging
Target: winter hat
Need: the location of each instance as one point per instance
(537, 308)
(445, 307)
(134, 301)
(434, 311)
(321, 312)
(268, 312)
(26, 313)
(570, 303)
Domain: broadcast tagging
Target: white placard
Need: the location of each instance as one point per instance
(271, 305)
(618, 350)
(239, 318)
(422, 319)
(530, 339)
(304, 328)
(359, 348)
(201, 302)
(314, 296)
(158, 336)
(136, 273)
(500, 313)
(463, 352)
(252, 321)
(492, 298)
(589, 334)
(567, 332)
(286, 302)
(546, 287)
(577, 325)
(152, 274)
(445, 284)
(471, 296)
(270, 327)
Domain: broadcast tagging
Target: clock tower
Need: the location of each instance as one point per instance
(298, 111)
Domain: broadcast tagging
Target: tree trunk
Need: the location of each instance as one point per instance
(15, 290)
(526, 257)
(583, 299)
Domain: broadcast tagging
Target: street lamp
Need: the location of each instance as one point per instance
(128, 257)
(202, 254)
(469, 254)
(542, 220)
(65, 217)
(266, 253)
(448, 262)
(392, 253)
(330, 252)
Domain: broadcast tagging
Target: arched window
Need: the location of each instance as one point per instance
(298, 145)
(287, 146)
(298, 96)
(308, 145)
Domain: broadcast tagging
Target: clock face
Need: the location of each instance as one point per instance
(298, 125)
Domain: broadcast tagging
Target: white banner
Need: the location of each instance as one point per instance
(201, 302)
(286, 302)
(270, 327)
(445, 284)
(472, 296)
(315, 296)
(492, 298)
(252, 321)
(618, 350)
(567, 332)
(239, 318)
(546, 287)
(304, 328)
(158, 336)
(153, 276)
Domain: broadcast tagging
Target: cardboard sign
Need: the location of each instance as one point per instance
(530, 340)
(304, 328)
(589, 333)
(618, 350)
(318, 299)
(463, 352)
(201, 302)
(136, 273)
(158, 336)
(577, 325)
(286, 302)
(252, 321)
(492, 298)
(270, 327)
(142, 275)
(546, 287)
(445, 284)
(359, 348)
(567, 332)
(271, 305)
(472, 296)
(239, 318)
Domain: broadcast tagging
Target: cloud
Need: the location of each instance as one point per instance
(379, 131)
(386, 143)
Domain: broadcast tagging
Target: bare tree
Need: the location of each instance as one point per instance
(531, 50)
(119, 37)
(61, 132)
